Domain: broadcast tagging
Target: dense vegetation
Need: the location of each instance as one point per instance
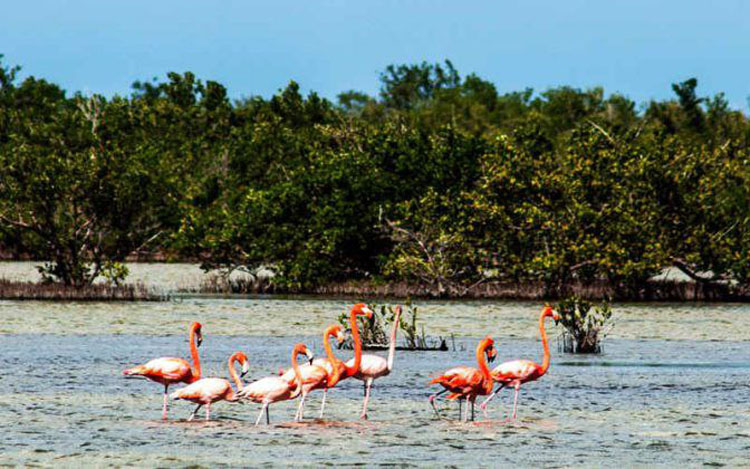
(439, 180)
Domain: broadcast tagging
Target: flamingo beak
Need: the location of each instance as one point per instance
(491, 354)
(200, 339)
(340, 337)
(245, 369)
(368, 312)
(310, 356)
(556, 316)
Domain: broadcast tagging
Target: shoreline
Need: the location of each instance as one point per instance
(151, 282)
(659, 292)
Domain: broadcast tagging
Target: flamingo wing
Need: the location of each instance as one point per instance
(204, 391)
(515, 370)
(459, 379)
(270, 389)
(326, 365)
(372, 366)
(311, 375)
(164, 370)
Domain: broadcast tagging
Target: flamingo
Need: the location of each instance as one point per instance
(323, 373)
(374, 366)
(516, 372)
(206, 391)
(168, 370)
(465, 382)
(275, 389)
(353, 365)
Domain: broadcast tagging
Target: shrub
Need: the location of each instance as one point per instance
(584, 324)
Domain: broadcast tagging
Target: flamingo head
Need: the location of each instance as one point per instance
(339, 335)
(242, 358)
(489, 349)
(196, 328)
(309, 354)
(548, 311)
(361, 308)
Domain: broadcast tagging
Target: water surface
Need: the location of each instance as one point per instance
(672, 388)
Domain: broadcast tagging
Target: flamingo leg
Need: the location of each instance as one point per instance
(472, 409)
(483, 405)
(515, 400)
(164, 406)
(195, 411)
(368, 387)
(208, 412)
(260, 415)
(460, 411)
(323, 404)
(268, 417)
(432, 401)
(300, 408)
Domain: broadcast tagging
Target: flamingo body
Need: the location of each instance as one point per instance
(267, 390)
(516, 370)
(165, 370)
(339, 368)
(313, 377)
(372, 366)
(206, 391)
(461, 380)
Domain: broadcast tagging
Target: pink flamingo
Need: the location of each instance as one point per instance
(465, 382)
(351, 368)
(206, 391)
(516, 372)
(373, 367)
(323, 373)
(275, 389)
(168, 370)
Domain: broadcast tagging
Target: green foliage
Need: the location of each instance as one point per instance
(376, 332)
(440, 180)
(584, 324)
(115, 272)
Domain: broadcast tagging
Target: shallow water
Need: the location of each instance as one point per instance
(672, 388)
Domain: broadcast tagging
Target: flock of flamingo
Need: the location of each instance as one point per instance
(463, 383)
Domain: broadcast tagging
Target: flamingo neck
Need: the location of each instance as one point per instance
(482, 362)
(327, 344)
(297, 374)
(194, 354)
(392, 348)
(545, 362)
(351, 371)
(233, 371)
(335, 362)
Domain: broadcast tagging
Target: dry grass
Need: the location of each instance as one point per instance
(12, 290)
(650, 291)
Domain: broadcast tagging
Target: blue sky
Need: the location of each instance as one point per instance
(634, 47)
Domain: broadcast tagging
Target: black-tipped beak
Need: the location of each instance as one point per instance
(311, 357)
(242, 374)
